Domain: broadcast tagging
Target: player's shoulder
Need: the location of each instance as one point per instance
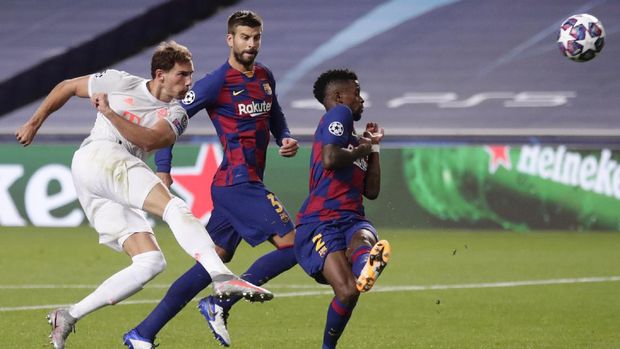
(339, 112)
(113, 74)
(209, 84)
(175, 107)
(113, 80)
(260, 67)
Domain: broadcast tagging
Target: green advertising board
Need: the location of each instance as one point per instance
(483, 186)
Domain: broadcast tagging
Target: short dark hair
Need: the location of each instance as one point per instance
(244, 18)
(330, 77)
(167, 54)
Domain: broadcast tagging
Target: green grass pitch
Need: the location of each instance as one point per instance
(441, 290)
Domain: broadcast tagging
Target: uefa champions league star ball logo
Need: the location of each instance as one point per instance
(189, 97)
(336, 128)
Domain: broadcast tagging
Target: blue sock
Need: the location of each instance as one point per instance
(183, 290)
(337, 317)
(264, 269)
(359, 259)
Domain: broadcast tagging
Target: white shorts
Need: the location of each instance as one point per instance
(112, 185)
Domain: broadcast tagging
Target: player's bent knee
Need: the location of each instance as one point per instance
(346, 293)
(362, 237)
(349, 298)
(175, 207)
(150, 264)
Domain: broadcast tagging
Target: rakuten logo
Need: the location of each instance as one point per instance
(254, 109)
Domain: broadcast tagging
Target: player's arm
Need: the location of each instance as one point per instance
(279, 129)
(146, 138)
(336, 157)
(203, 93)
(54, 101)
(372, 184)
(336, 153)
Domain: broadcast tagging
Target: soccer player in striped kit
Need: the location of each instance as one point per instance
(335, 243)
(240, 98)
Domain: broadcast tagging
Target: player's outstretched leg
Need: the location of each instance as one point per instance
(195, 241)
(62, 325)
(217, 319)
(377, 260)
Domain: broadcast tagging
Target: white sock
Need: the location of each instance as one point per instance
(123, 284)
(193, 238)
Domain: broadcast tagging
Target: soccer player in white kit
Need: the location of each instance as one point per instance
(135, 117)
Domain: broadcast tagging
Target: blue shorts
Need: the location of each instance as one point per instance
(247, 211)
(314, 241)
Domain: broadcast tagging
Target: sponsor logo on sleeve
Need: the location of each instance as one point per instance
(180, 125)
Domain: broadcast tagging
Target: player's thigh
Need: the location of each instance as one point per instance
(255, 212)
(138, 243)
(115, 223)
(359, 232)
(337, 272)
(223, 234)
(313, 243)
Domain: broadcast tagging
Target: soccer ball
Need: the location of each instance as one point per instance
(581, 37)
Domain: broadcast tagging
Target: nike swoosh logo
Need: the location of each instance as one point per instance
(211, 312)
(236, 93)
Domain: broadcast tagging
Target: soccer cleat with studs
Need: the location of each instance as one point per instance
(377, 261)
(62, 325)
(239, 287)
(217, 319)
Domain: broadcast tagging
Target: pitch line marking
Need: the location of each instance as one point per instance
(375, 289)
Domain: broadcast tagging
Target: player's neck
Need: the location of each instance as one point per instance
(240, 67)
(157, 91)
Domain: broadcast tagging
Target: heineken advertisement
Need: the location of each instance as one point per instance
(530, 186)
(467, 187)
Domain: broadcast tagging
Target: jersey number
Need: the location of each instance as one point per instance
(275, 203)
(279, 208)
(319, 244)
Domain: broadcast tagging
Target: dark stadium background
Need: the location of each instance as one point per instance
(471, 69)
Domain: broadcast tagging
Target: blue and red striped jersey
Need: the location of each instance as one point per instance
(335, 193)
(244, 109)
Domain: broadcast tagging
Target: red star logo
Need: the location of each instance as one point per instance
(193, 183)
(500, 155)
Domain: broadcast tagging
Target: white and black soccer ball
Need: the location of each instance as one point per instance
(581, 37)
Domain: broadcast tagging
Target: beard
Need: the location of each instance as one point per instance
(246, 62)
(357, 115)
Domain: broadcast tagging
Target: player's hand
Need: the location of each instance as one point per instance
(289, 147)
(25, 134)
(166, 178)
(374, 133)
(100, 102)
(364, 148)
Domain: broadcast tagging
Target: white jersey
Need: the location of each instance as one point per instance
(128, 96)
